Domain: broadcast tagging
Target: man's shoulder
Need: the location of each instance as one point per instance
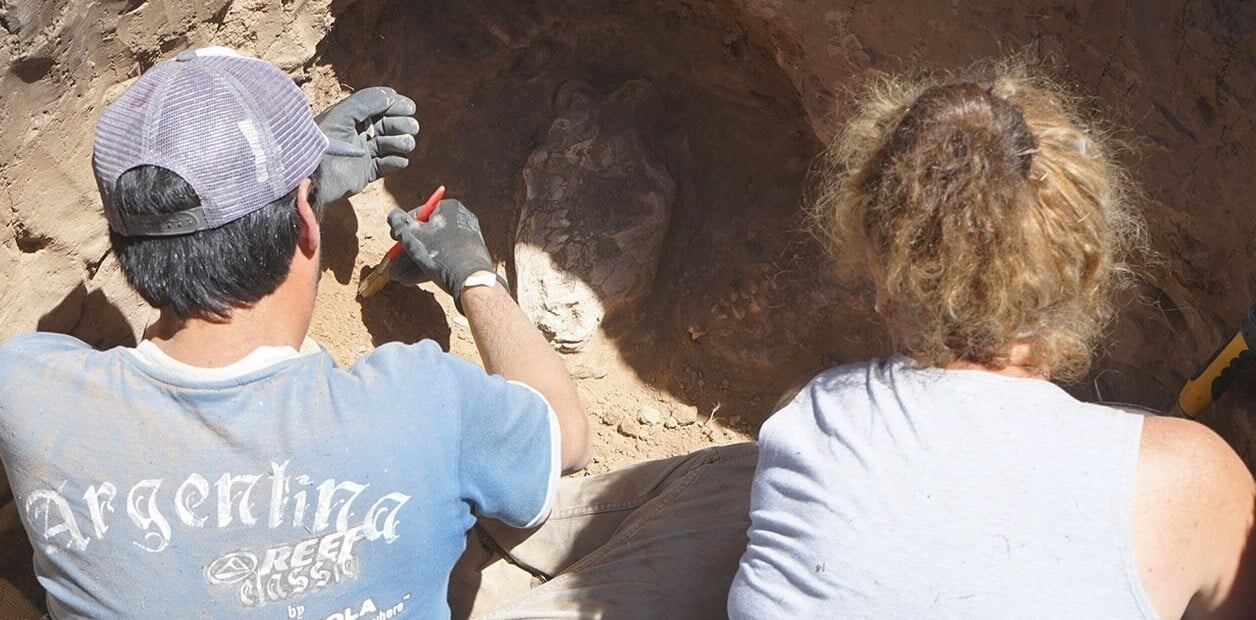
(19, 351)
(29, 361)
(423, 361)
(396, 354)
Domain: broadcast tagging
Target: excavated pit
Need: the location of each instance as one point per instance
(647, 159)
(651, 217)
(640, 170)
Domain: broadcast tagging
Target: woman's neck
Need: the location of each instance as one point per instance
(1020, 364)
(1010, 370)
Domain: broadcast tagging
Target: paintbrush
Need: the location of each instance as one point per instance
(378, 277)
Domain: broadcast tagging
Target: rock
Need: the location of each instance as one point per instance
(685, 414)
(595, 212)
(587, 369)
(670, 422)
(630, 428)
(610, 417)
(650, 415)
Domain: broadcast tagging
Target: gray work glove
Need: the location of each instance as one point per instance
(371, 132)
(447, 248)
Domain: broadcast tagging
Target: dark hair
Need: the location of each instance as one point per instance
(207, 273)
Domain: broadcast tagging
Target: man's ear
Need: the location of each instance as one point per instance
(310, 234)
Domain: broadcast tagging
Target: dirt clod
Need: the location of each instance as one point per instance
(650, 415)
(634, 429)
(685, 414)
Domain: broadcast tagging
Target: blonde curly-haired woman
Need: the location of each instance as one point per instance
(955, 479)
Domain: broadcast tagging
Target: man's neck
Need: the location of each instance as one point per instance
(217, 343)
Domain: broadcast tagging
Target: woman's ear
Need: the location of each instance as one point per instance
(310, 234)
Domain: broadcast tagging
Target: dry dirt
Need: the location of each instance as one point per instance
(742, 306)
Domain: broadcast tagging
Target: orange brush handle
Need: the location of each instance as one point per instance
(424, 212)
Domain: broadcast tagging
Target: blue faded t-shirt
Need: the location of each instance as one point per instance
(295, 490)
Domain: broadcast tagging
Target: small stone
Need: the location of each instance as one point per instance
(686, 415)
(650, 415)
(585, 369)
(670, 422)
(610, 417)
(630, 428)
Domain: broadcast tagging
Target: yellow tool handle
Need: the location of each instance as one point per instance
(1221, 369)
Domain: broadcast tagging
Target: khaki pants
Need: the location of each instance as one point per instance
(659, 539)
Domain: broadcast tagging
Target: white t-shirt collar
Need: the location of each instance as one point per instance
(152, 356)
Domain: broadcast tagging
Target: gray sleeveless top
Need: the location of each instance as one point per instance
(888, 491)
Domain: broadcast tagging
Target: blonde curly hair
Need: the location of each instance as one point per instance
(990, 212)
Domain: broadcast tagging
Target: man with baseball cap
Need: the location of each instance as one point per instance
(226, 467)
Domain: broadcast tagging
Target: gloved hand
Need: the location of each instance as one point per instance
(356, 156)
(447, 248)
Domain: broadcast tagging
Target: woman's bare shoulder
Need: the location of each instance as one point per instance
(1194, 505)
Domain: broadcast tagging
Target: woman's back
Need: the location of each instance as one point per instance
(955, 480)
(889, 491)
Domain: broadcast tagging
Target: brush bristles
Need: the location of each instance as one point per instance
(375, 280)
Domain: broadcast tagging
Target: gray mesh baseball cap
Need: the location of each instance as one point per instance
(236, 129)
